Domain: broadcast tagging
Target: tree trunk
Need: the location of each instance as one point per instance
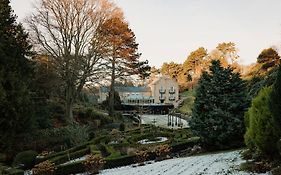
(111, 91)
(69, 104)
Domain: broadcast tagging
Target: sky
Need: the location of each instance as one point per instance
(168, 30)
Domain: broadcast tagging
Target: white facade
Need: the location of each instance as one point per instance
(162, 90)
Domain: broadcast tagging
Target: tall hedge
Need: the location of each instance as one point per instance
(261, 133)
(275, 102)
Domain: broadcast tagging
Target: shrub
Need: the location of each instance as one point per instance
(70, 156)
(185, 144)
(162, 151)
(94, 163)
(77, 134)
(70, 168)
(122, 127)
(103, 150)
(261, 131)
(26, 158)
(2, 157)
(61, 153)
(141, 156)
(120, 161)
(44, 168)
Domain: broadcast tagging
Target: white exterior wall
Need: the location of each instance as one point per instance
(166, 83)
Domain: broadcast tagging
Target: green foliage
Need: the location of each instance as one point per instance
(122, 127)
(58, 138)
(70, 156)
(120, 161)
(261, 133)
(178, 146)
(117, 101)
(70, 168)
(218, 113)
(26, 158)
(77, 134)
(275, 103)
(256, 83)
(83, 146)
(10, 171)
(187, 105)
(15, 75)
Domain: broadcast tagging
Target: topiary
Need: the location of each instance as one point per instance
(25, 159)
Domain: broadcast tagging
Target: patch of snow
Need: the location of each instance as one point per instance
(162, 121)
(212, 164)
(75, 160)
(146, 141)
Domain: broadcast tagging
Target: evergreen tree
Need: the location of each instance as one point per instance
(218, 113)
(15, 73)
(275, 103)
(261, 133)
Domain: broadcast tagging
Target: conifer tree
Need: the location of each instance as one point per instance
(15, 73)
(218, 113)
(275, 102)
(261, 133)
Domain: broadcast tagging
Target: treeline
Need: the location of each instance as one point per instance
(188, 73)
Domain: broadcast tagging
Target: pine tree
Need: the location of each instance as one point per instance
(218, 113)
(15, 73)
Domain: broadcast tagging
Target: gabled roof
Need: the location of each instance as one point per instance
(127, 89)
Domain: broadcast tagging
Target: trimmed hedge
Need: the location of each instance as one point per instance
(78, 167)
(184, 145)
(71, 168)
(121, 161)
(25, 159)
(71, 150)
(10, 171)
(66, 157)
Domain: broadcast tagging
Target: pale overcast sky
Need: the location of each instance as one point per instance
(168, 30)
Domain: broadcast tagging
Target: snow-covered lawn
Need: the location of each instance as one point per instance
(212, 164)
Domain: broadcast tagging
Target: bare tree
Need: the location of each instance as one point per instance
(66, 30)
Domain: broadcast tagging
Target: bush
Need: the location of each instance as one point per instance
(26, 158)
(2, 157)
(61, 153)
(162, 151)
(176, 147)
(70, 156)
(55, 138)
(94, 163)
(261, 132)
(44, 168)
(122, 127)
(77, 134)
(103, 150)
(120, 161)
(141, 156)
(71, 168)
